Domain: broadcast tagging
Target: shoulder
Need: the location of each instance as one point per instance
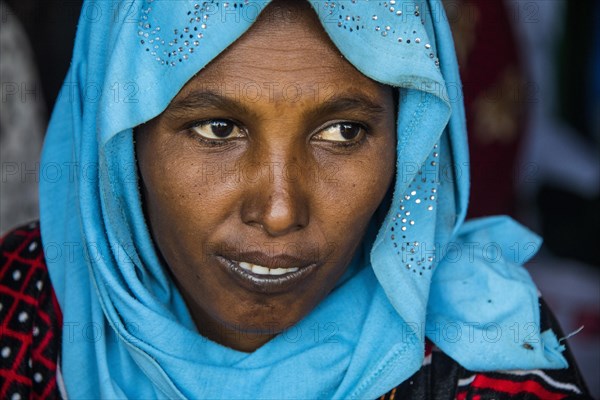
(30, 318)
(440, 377)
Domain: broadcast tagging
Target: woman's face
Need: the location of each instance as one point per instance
(261, 176)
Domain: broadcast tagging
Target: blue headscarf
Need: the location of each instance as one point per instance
(422, 272)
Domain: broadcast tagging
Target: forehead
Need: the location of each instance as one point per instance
(285, 54)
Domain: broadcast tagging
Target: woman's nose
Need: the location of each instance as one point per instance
(277, 201)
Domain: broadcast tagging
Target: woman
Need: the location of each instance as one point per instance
(235, 224)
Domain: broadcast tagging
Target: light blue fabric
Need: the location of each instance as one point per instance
(127, 330)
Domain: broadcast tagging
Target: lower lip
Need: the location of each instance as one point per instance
(269, 284)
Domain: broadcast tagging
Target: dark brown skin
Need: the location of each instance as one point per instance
(296, 172)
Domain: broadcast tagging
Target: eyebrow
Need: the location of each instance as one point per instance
(208, 99)
(354, 102)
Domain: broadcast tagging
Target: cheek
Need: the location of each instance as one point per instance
(185, 197)
(352, 190)
(346, 205)
(186, 186)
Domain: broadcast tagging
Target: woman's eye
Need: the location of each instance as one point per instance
(341, 132)
(218, 129)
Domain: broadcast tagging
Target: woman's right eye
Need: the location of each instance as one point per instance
(218, 129)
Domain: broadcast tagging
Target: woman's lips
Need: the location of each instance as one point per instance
(261, 279)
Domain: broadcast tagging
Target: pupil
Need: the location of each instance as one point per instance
(221, 128)
(349, 131)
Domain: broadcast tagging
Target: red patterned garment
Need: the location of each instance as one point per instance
(30, 319)
(442, 378)
(31, 335)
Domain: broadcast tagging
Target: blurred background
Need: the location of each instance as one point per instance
(531, 80)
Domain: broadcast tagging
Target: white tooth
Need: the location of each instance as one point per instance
(245, 265)
(281, 271)
(278, 271)
(259, 269)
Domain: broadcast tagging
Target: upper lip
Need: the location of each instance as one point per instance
(270, 261)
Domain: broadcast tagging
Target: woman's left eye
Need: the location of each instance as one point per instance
(341, 132)
(218, 129)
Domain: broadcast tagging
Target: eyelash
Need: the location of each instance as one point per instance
(205, 141)
(347, 145)
(343, 145)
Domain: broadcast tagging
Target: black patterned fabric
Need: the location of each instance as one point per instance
(30, 319)
(441, 378)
